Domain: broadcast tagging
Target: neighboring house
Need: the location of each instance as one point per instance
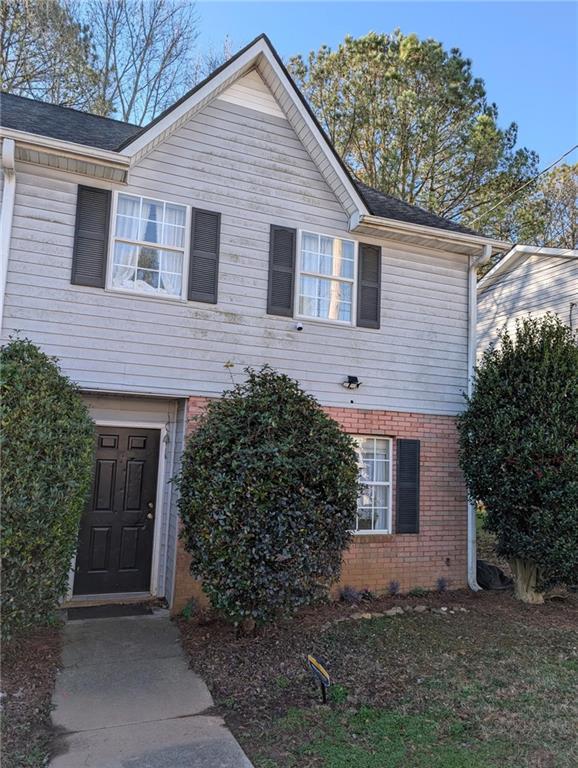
(527, 280)
(228, 231)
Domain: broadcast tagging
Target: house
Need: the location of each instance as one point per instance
(228, 232)
(527, 280)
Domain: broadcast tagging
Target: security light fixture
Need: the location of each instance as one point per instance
(352, 382)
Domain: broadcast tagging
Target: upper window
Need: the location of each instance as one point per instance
(374, 503)
(149, 246)
(326, 277)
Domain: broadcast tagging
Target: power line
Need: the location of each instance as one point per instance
(527, 183)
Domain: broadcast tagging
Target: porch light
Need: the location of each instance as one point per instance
(351, 382)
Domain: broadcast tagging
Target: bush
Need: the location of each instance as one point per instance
(268, 493)
(519, 452)
(47, 447)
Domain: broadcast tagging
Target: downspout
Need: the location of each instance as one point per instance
(6, 215)
(475, 262)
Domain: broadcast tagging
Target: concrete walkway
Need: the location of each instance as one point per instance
(126, 698)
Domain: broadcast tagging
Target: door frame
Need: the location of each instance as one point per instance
(159, 509)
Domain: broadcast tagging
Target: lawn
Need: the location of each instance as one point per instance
(485, 683)
(29, 666)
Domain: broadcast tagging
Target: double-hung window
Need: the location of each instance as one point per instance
(326, 278)
(149, 246)
(374, 503)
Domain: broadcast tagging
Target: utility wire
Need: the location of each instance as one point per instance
(527, 183)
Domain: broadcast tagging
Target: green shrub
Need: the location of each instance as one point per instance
(47, 446)
(519, 452)
(268, 493)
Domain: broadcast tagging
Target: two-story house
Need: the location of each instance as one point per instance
(227, 232)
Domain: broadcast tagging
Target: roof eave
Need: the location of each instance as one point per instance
(422, 230)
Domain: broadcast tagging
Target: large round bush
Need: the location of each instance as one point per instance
(519, 452)
(47, 446)
(268, 492)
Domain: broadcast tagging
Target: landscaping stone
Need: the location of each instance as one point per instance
(420, 608)
(396, 611)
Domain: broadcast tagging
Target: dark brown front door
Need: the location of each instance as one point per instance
(116, 532)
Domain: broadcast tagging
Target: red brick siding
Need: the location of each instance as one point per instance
(374, 560)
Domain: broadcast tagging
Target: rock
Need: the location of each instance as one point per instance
(377, 615)
(420, 608)
(361, 616)
(443, 608)
(396, 611)
(463, 610)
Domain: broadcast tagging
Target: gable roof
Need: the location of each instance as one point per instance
(67, 124)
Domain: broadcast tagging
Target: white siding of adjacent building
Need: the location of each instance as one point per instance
(250, 165)
(535, 285)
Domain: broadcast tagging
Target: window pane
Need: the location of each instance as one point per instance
(334, 298)
(170, 284)
(128, 205)
(327, 255)
(174, 236)
(310, 242)
(380, 520)
(364, 519)
(382, 449)
(147, 280)
(148, 258)
(379, 495)
(127, 228)
(175, 215)
(380, 471)
(123, 277)
(125, 254)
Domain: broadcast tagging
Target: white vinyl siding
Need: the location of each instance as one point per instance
(252, 168)
(536, 285)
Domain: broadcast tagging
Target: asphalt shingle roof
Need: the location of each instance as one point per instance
(23, 114)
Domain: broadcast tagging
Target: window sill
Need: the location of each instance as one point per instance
(383, 534)
(323, 321)
(148, 296)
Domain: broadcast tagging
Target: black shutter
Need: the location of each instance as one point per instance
(407, 486)
(282, 245)
(204, 259)
(91, 237)
(369, 286)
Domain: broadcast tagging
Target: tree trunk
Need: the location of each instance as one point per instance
(525, 575)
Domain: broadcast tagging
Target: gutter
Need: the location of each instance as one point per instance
(474, 263)
(404, 227)
(6, 215)
(66, 148)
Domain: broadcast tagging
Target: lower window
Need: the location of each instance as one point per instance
(374, 503)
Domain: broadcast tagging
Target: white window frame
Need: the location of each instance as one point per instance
(298, 272)
(387, 483)
(112, 239)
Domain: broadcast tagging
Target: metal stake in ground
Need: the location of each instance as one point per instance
(320, 673)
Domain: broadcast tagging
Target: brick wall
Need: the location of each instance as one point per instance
(373, 560)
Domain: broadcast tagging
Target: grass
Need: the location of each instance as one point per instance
(491, 688)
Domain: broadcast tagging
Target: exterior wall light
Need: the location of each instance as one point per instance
(351, 382)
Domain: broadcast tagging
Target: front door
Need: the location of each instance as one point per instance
(116, 531)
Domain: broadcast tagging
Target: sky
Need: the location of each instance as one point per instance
(526, 52)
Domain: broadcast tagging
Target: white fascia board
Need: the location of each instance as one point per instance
(213, 85)
(237, 68)
(519, 251)
(407, 228)
(66, 148)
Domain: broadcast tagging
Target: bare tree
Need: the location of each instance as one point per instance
(145, 53)
(46, 54)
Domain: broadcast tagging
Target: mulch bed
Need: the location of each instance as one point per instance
(29, 666)
(257, 680)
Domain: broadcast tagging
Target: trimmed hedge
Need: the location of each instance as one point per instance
(519, 451)
(47, 443)
(268, 494)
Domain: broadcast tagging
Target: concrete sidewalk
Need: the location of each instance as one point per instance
(126, 698)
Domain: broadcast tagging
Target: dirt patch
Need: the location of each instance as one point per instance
(29, 666)
(486, 661)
